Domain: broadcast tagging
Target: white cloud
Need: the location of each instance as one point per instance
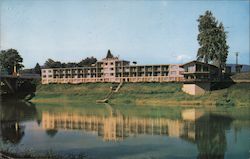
(183, 58)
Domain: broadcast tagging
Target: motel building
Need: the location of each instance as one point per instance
(198, 77)
(112, 69)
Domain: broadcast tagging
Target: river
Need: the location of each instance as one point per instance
(124, 132)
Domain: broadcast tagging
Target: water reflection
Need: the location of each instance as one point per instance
(119, 126)
(206, 131)
(12, 114)
(211, 136)
(12, 132)
(114, 128)
(51, 132)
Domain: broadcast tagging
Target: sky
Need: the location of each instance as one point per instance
(149, 32)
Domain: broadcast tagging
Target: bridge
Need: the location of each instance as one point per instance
(13, 82)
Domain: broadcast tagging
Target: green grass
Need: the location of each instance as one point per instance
(66, 92)
(171, 94)
(152, 94)
(241, 76)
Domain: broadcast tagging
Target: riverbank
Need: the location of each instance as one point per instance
(152, 94)
(63, 93)
(171, 94)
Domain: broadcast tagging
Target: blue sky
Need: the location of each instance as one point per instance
(149, 32)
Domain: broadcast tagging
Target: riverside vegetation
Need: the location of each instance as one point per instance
(153, 94)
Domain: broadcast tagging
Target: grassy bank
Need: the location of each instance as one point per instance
(171, 94)
(64, 93)
(160, 94)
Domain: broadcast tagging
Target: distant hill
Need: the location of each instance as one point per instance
(245, 68)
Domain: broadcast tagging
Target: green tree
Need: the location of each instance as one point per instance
(52, 64)
(37, 69)
(212, 40)
(10, 58)
(71, 64)
(57, 64)
(87, 62)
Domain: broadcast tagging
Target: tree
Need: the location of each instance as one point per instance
(52, 64)
(71, 64)
(37, 69)
(10, 58)
(212, 40)
(57, 64)
(220, 57)
(87, 62)
(49, 63)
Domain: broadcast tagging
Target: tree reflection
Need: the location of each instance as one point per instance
(12, 114)
(211, 137)
(51, 132)
(12, 132)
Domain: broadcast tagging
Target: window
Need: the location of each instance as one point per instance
(186, 69)
(111, 63)
(173, 72)
(111, 74)
(174, 67)
(44, 71)
(111, 68)
(106, 63)
(50, 76)
(205, 68)
(44, 76)
(198, 68)
(49, 71)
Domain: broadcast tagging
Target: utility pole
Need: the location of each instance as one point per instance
(237, 69)
(237, 54)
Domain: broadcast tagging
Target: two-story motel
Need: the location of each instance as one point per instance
(112, 69)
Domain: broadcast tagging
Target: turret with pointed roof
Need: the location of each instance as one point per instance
(109, 55)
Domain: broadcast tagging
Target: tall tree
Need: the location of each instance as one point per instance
(212, 40)
(9, 59)
(220, 56)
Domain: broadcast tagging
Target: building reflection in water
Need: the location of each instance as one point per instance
(118, 127)
(207, 131)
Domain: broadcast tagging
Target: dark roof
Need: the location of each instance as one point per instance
(109, 54)
(197, 62)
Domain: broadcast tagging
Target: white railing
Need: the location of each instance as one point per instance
(116, 79)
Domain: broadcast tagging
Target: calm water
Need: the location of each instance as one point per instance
(104, 131)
